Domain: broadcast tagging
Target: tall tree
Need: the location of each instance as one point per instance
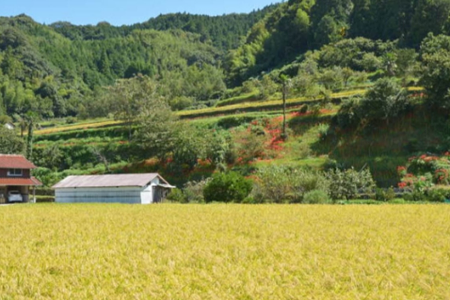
(286, 85)
(10, 143)
(128, 98)
(31, 120)
(435, 54)
(158, 128)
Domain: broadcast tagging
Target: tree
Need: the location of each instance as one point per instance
(4, 119)
(129, 97)
(31, 119)
(286, 85)
(267, 87)
(10, 143)
(51, 157)
(227, 187)
(158, 128)
(101, 157)
(389, 63)
(189, 145)
(430, 16)
(250, 145)
(406, 63)
(435, 54)
(327, 31)
(386, 99)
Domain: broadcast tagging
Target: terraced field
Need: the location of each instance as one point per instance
(79, 126)
(224, 252)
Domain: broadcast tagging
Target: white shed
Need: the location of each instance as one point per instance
(122, 188)
(10, 126)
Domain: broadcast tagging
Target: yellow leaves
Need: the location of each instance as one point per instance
(224, 252)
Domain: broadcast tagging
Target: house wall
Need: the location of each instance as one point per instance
(25, 174)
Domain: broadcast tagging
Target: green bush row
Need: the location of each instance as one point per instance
(239, 99)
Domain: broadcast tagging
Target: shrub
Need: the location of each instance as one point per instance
(397, 201)
(234, 121)
(180, 103)
(385, 195)
(251, 200)
(349, 113)
(193, 190)
(437, 195)
(324, 130)
(176, 195)
(349, 183)
(304, 109)
(248, 97)
(44, 199)
(385, 100)
(362, 202)
(277, 183)
(227, 187)
(250, 145)
(316, 197)
(415, 196)
(71, 120)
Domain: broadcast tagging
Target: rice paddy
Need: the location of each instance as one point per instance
(51, 251)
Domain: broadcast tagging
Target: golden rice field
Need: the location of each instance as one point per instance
(257, 104)
(83, 125)
(224, 252)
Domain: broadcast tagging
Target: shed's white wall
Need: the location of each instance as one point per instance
(147, 195)
(129, 195)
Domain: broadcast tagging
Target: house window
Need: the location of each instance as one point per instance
(15, 172)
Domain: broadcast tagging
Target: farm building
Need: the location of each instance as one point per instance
(122, 188)
(16, 182)
(10, 126)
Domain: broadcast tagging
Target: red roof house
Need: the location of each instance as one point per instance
(15, 179)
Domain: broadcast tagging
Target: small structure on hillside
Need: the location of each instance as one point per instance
(9, 126)
(16, 181)
(121, 188)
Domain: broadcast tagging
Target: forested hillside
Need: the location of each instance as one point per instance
(301, 25)
(58, 70)
(224, 32)
(188, 95)
(48, 73)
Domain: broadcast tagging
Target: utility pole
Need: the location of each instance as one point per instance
(286, 84)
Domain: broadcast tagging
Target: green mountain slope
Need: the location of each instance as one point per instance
(224, 32)
(43, 71)
(300, 25)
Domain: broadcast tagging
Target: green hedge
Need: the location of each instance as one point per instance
(239, 99)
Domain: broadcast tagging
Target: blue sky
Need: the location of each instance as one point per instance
(119, 12)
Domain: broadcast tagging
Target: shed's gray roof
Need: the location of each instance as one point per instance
(97, 181)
